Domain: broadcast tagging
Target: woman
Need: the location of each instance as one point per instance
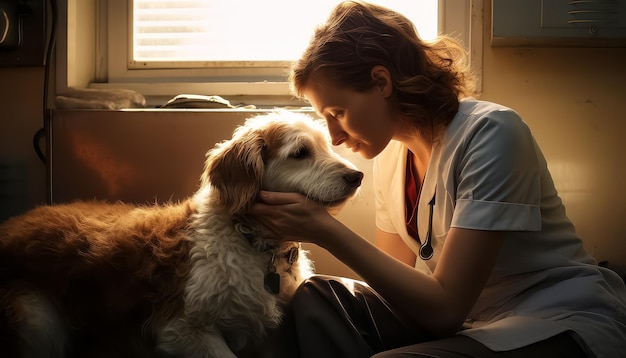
(474, 255)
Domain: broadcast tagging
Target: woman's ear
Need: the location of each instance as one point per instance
(382, 77)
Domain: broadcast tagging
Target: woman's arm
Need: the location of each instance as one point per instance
(438, 303)
(393, 245)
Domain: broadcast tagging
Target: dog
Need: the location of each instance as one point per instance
(196, 278)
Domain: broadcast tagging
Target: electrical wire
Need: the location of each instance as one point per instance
(50, 44)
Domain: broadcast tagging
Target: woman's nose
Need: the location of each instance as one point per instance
(337, 135)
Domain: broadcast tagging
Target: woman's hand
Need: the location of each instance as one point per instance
(291, 216)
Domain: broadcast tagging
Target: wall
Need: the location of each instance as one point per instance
(571, 98)
(22, 174)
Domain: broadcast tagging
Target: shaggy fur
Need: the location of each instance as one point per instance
(93, 279)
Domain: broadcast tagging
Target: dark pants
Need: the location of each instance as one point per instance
(331, 317)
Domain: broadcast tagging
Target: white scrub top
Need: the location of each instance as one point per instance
(489, 174)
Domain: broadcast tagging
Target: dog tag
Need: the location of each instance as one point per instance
(272, 282)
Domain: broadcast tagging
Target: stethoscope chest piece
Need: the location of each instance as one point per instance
(426, 251)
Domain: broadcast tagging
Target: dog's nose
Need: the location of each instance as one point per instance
(354, 178)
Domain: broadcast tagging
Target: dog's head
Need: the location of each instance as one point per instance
(279, 151)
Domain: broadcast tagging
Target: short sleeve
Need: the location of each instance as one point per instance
(498, 176)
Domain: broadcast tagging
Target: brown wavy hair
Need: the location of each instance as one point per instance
(428, 78)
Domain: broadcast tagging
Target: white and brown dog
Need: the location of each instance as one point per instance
(197, 278)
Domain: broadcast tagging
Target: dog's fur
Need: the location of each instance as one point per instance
(181, 279)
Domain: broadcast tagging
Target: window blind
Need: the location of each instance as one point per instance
(242, 30)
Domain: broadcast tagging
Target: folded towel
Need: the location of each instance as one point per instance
(89, 98)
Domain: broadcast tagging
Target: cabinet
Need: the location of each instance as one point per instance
(572, 23)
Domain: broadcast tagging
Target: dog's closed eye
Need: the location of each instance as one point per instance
(301, 152)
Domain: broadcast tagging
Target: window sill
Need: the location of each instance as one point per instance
(259, 94)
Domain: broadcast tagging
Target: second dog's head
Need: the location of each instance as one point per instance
(279, 151)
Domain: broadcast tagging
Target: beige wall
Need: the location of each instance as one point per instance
(571, 98)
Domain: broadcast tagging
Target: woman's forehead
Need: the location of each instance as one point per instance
(324, 93)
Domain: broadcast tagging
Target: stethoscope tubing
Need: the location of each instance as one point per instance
(426, 250)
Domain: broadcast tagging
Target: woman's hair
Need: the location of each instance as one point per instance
(428, 78)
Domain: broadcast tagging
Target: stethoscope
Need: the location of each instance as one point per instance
(426, 250)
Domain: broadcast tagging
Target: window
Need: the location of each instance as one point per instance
(230, 48)
(201, 33)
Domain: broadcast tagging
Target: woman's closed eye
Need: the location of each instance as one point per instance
(336, 115)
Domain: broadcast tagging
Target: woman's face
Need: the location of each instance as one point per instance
(362, 121)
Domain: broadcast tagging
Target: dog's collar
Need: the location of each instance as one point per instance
(272, 278)
(290, 255)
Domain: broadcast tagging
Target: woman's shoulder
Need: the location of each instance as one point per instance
(474, 115)
(471, 107)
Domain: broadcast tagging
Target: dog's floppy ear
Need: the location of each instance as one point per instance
(235, 168)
